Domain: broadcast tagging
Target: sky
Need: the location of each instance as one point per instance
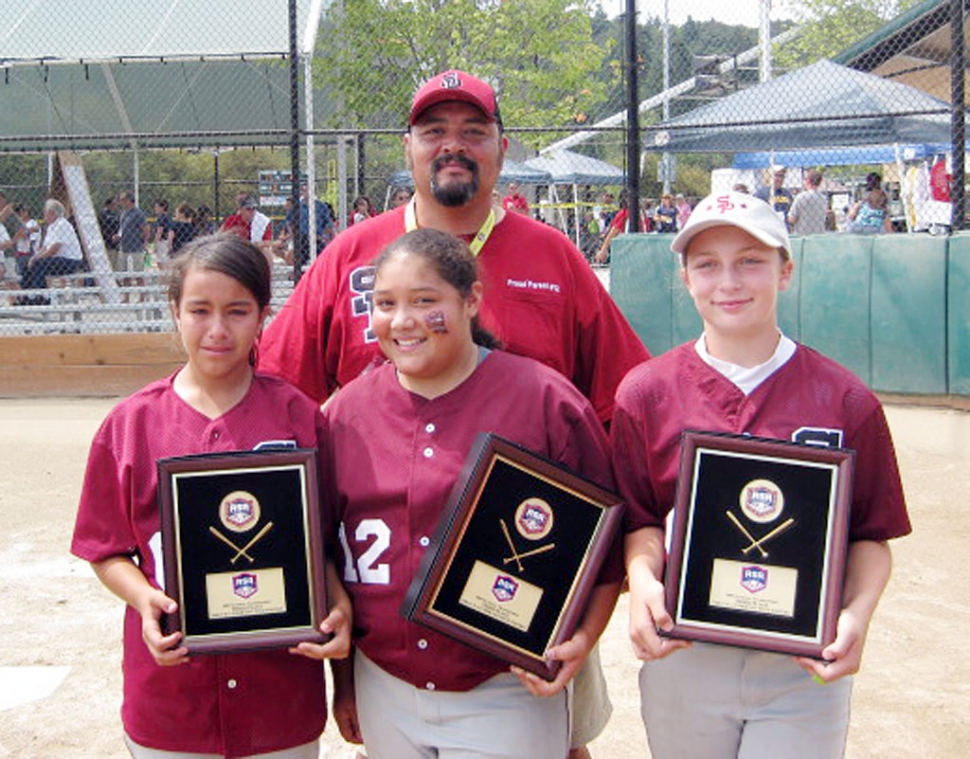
(744, 12)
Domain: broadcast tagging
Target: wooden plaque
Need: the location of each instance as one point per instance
(757, 557)
(516, 556)
(243, 549)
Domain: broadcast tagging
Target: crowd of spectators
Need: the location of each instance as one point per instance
(35, 253)
(32, 251)
(809, 210)
(134, 241)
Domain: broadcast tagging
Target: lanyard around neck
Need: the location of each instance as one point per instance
(478, 241)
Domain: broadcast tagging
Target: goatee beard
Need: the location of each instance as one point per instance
(455, 194)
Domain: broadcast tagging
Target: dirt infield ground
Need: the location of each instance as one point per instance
(60, 630)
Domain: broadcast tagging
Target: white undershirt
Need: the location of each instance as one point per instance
(744, 377)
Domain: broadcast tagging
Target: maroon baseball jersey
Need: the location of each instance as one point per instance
(232, 705)
(541, 299)
(396, 458)
(810, 399)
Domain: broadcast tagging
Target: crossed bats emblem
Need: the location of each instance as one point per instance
(516, 556)
(242, 552)
(758, 542)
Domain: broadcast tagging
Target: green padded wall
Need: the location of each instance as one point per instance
(908, 339)
(834, 299)
(644, 283)
(789, 317)
(892, 308)
(958, 312)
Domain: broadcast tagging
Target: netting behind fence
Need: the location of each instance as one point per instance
(848, 127)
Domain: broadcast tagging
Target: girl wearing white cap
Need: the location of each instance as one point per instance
(743, 376)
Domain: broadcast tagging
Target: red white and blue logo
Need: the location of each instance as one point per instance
(762, 501)
(245, 585)
(754, 578)
(534, 519)
(239, 511)
(505, 588)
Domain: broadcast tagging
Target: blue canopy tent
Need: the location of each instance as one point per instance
(871, 154)
(823, 105)
(567, 167)
(821, 114)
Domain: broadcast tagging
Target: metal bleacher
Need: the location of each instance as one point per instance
(76, 304)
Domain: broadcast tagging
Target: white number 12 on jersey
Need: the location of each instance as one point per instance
(366, 569)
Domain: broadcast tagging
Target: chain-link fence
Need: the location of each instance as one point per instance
(843, 120)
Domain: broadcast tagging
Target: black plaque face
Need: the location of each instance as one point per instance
(516, 556)
(243, 549)
(757, 556)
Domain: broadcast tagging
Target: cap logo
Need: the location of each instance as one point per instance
(725, 204)
(451, 81)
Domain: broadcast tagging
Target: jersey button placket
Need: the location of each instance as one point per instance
(428, 451)
(214, 437)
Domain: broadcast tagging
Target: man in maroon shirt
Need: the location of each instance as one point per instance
(541, 300)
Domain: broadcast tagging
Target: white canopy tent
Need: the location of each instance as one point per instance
(574, 169)
(140, 74)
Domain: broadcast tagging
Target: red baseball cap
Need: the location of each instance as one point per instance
(455, 85)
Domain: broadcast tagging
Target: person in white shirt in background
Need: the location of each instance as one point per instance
(810, 208)
(60, 253)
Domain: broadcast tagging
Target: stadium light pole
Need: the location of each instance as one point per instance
(764, 37)
(666, 159)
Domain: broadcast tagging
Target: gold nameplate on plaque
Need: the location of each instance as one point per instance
(501, 596)
(754, 588)
(243, 594)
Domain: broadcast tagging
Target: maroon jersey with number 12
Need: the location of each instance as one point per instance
(397, 457)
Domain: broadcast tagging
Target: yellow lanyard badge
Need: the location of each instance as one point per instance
(478, 241)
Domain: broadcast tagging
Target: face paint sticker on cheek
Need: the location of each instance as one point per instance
(435, 322)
